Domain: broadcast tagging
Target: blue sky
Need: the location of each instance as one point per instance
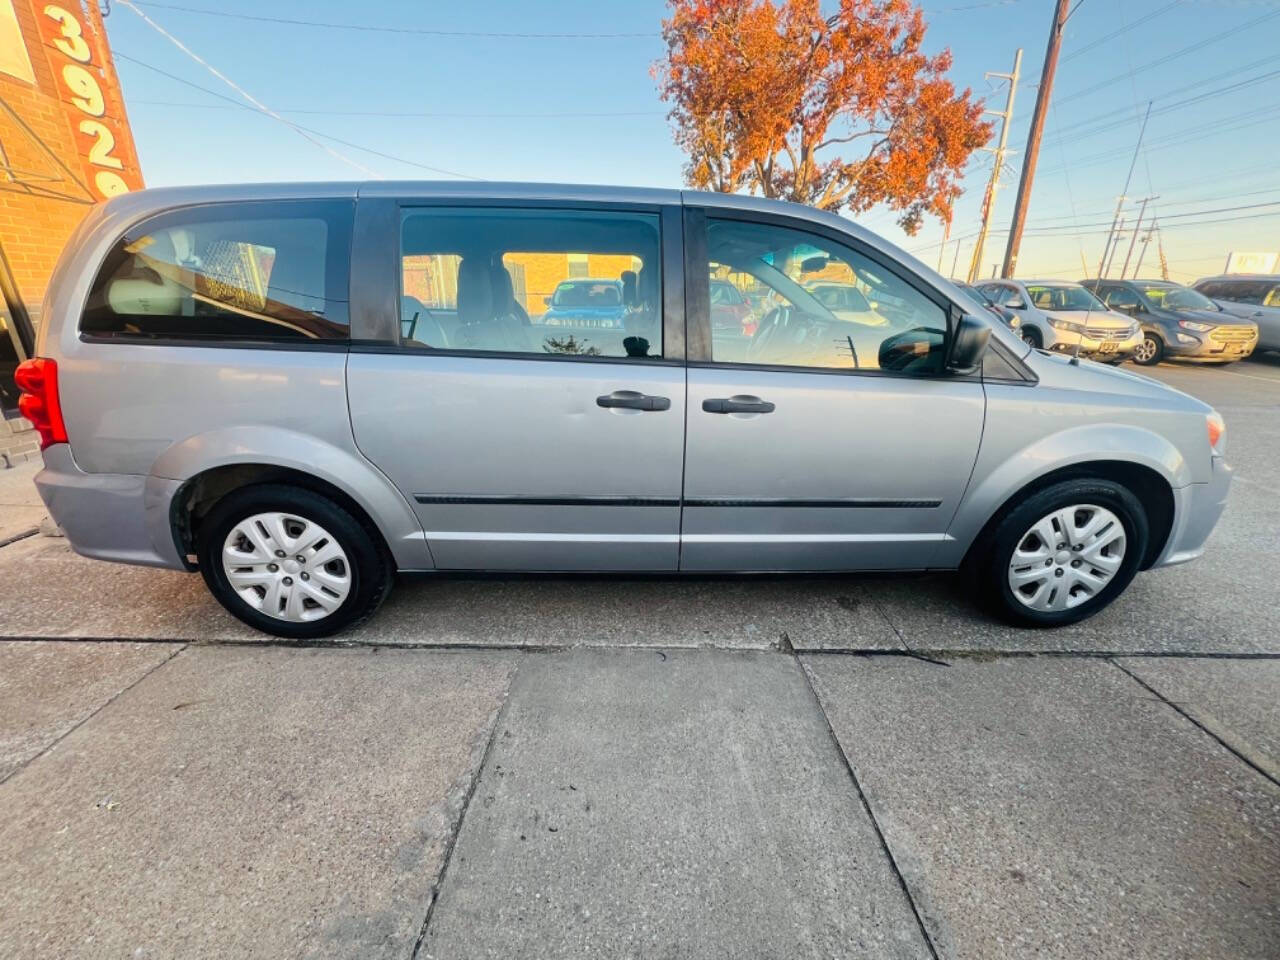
(586, 110)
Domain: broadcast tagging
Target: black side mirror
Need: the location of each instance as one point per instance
(969, 345)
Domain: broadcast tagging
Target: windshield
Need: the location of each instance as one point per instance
(1064, 297)
(725, 294)
(588, 293)
(1170, 296)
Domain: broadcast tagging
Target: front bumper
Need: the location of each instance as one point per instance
(119, 517)
(1211, 347)
(1196, 510)
(1097, 348)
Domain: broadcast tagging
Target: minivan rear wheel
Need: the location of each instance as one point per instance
(1064, 553)
(291, 562)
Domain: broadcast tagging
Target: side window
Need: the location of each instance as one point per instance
(994, 292)
(1216, 289)
(574, 283)
(1273, 298)
(815, 303)
(1120, 298)
(226, 272)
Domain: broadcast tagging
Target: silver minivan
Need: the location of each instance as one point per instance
(300, 390)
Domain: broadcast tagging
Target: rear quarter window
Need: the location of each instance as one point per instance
(257, 272)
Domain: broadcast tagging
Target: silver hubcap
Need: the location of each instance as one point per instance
(1067, 557)
(286, 566)
(1146, 350)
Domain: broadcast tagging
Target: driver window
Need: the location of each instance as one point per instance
(1120, 299)
(802, 301)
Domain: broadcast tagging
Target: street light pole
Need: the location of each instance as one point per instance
(993, 185)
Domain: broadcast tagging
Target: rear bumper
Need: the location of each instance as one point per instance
(119, 517)
(1197, 508)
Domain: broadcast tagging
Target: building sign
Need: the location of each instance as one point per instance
(13, 51)
(1252, 262)
(73, 41)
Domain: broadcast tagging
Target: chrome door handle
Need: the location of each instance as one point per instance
(633, 400)
(737, 405)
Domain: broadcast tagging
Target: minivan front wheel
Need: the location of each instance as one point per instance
(1065, 553)
(291, 562)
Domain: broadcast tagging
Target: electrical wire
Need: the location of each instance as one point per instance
(315, 133)
(411, 113)
(376, 28)
(258, 104)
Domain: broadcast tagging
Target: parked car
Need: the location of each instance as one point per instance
(1064, 317)
(1007, 316)
(1254, 296)
(1177, 322)
(847, 302)
(730, 310)
(224, 384)
(586, 303)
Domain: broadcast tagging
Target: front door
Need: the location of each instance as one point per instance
(825, 434)
(529, 407)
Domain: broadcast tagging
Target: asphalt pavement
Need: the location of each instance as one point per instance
(652, 767)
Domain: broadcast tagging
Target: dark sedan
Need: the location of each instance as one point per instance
(1177, 322)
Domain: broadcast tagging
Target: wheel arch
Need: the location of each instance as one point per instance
(1151, 487)
(212, 465)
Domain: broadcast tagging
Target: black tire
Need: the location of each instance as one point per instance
(1032, 336)
(1157, 353)
(990, 563)
(371, 570)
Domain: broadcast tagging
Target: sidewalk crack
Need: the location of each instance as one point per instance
(438, 885)
(102, 706)
(866, 805)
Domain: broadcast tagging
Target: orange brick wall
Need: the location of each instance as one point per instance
(50, 197)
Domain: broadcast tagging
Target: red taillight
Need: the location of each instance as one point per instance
(38, 380)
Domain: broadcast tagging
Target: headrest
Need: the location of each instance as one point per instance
(647, 287)
(475, 291)
(630, 288)
(504, 292)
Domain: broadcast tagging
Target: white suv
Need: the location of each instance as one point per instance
(1064, 317)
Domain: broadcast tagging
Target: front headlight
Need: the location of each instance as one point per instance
(1067, 325)
(1197, 327)
(1134, 330)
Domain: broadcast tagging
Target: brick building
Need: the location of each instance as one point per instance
(65, 145)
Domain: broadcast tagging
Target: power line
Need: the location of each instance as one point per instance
(261, 107)
(315, 133)
(1090, 128)
(411, 113)
(375, 28)
(1122, 30)
(1160, 61)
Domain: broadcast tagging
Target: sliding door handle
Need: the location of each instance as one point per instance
(632, 400)
(742, 404)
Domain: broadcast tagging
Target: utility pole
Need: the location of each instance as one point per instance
(1032, 154)
(989, 202)
(1122, 198)
(1137, 269)
(1119, 235)
(1142, 212)
(956, 259)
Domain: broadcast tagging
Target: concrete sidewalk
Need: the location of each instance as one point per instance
(164, 800)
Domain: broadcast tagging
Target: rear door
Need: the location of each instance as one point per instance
(525, 442)
(822, 441)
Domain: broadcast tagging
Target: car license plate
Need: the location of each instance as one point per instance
(1109, 346)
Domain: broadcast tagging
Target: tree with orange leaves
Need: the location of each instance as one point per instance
(772, 97)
